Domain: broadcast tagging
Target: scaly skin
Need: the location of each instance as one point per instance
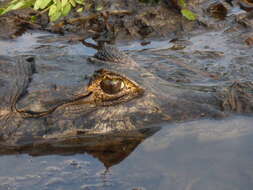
(140, 100)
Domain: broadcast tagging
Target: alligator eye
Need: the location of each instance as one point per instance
(112, 86)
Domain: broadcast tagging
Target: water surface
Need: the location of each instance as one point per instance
(194, 155)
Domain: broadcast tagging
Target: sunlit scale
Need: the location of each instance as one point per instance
(112, 86)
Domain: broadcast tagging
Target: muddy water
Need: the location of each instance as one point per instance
(196, 155)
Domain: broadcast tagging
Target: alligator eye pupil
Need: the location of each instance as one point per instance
(112, 86)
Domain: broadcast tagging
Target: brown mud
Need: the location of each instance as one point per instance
(125, 21)
(122, 20)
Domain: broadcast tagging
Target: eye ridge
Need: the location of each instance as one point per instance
(112, 85)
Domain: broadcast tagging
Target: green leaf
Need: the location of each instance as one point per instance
(79, 10)
(188, 14)
(57, 8)
(73, 3)
(28, 3)
(10, 7)
(54, 12)
(18, 5)
(44, 4)
(14, 1)
(1, 11)
(81, 2)
(66, 9)
(33, 18)
(37, 4)
(182, 3)
(99, 8)
(55, 16)
(58, 4)
(64, 3)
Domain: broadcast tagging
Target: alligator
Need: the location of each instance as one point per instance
(120, 97)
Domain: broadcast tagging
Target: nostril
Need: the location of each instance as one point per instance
(30, 59)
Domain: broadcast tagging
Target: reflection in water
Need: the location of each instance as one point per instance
(195, 155)
(110, 149)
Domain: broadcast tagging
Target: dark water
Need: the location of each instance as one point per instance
(196, 155)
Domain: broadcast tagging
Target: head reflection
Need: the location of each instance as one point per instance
(110, 149)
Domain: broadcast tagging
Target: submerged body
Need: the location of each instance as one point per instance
(120, 96)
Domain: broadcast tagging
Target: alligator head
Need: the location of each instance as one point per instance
(120, 97)
(110, 102)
